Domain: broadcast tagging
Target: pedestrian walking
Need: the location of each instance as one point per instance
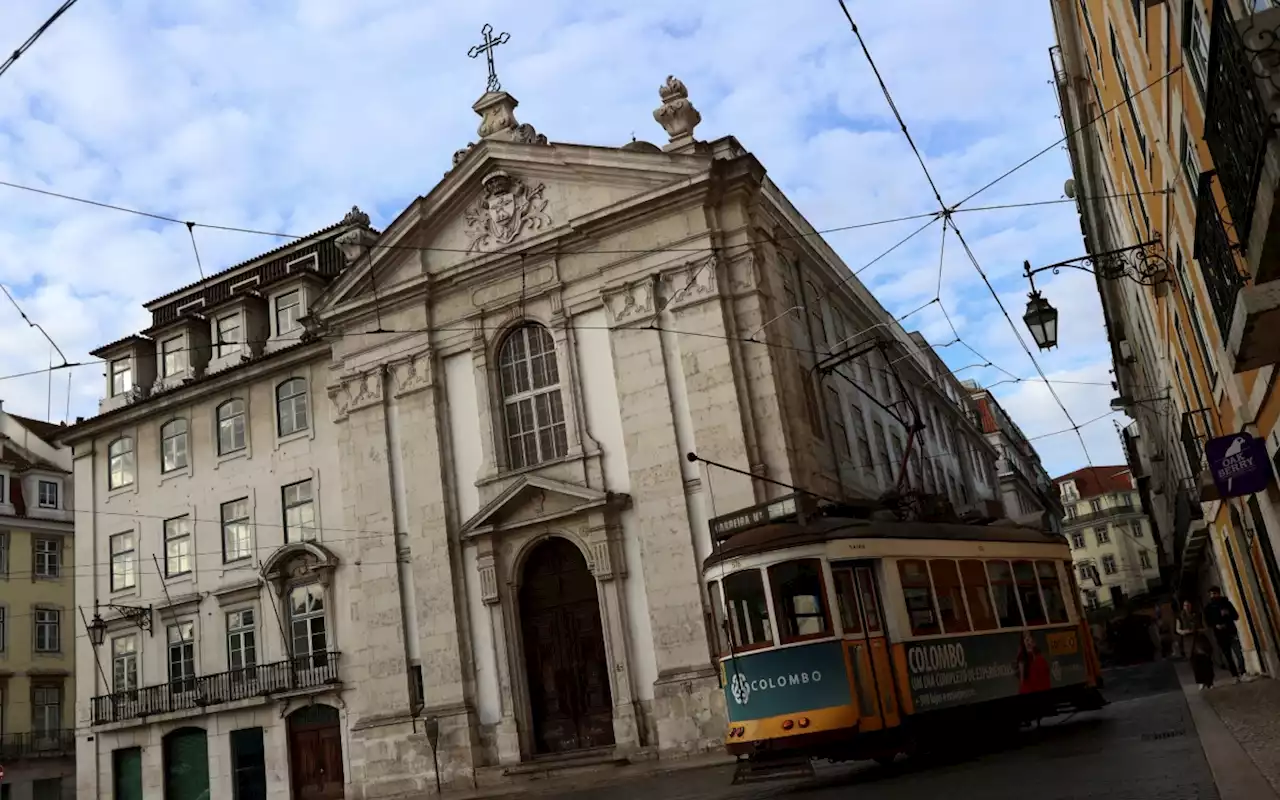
(1202, 660)
(1189, 624)
(1220, 617)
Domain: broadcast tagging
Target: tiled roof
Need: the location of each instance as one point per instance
(21, 461)
(1093, 481)
(105, 349)
(45, 430)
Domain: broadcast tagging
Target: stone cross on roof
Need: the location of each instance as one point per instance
(490, 42)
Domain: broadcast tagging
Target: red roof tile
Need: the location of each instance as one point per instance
(1093, 481)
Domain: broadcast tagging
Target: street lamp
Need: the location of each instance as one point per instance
(1042, 321)
(98, 627)
(1144, 264)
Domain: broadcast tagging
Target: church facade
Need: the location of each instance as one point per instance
(437, 475)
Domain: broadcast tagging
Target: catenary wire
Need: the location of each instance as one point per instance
(31, 40)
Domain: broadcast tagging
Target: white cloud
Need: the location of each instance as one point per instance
(280, 116)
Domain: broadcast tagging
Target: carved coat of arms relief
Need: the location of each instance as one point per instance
(508, 207)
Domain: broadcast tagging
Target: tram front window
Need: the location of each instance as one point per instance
(800, 599)
(748, 610)
(847, 598)
(1002, 591)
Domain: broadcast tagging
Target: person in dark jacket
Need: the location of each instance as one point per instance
(1202, 660)
(1220, 618)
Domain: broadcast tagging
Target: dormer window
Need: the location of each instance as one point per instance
(173, 356)
(121, 376)
(47, 493)
(288, 311)
(229, 335)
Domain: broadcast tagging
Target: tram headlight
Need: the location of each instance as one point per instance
(788, 725)
(804, 722)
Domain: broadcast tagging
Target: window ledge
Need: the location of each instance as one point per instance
(505, 474)
(128, 488)
(122, 594)
(180, 578)
(305, 433)
(235, 455)
(236, 566)
(180, 472)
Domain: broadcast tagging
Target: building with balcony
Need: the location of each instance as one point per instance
(1028, 493)
(374, 487)
(1168, 107)
(37, 612)
(1115, 554)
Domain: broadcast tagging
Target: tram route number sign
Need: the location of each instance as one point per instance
(962, 670)
(785, 681)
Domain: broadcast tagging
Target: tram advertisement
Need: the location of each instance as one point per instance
(962, 670)
(759, 685)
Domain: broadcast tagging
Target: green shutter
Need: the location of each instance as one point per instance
(127, 774)
(186, 765)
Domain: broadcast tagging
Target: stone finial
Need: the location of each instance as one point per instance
(676, 115)
(356, 242)
(356, 217)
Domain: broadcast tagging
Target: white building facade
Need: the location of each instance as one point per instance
(1027, 491)
(437, 475)
(1115, 554)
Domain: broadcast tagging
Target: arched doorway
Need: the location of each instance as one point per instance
(569, 696)
(186, 765)
(315, 753)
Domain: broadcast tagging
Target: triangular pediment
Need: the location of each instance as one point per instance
(505, 197)
(533, 499)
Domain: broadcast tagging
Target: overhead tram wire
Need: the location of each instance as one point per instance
(946, 214)
(31, 40)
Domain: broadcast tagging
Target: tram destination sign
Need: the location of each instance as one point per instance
(785, 681)
(792, 506)
(962, 670)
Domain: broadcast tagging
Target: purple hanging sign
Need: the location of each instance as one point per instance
(1239, 464)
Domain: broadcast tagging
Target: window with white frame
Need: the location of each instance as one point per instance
(1135, 526)
(299, 512)
(1095, 506)
(1077, 541)
(124, 663)
(46, 709)
(242, 639)
(532, 406)
(177, 546)
(173, 356)
(182, 656)
(48, 630)
(1101, 534)
(1195, 40)
(1145, 559)
(1190, 161)
(307, 625)
(1091, 598)
(173, 445)
(121, 376)
(47, 494)
(4, 554)
(120, 464)
(47, 552)
(288, 311)
(124, 561)
(237, 539)
(839, 433)
(231, 426)
(291, 406)
(1109, 564)
(229, 338)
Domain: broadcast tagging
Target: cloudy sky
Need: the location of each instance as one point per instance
(280, 115)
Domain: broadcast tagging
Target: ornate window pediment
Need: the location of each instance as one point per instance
(299, 562)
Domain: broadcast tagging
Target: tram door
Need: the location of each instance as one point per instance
(865, 645)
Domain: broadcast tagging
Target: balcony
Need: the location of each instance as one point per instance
(294, 676)
(1217, 256)
(1243, 101)
(16, 747)
(1094, 516)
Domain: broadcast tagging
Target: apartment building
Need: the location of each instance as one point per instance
(1026, 489)
(38, 612)
(1168, 106)
(1116, 557)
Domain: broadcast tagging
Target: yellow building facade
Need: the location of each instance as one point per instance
(1166, 104)
(38, 615)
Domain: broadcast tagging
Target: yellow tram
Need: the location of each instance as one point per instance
(855, 635)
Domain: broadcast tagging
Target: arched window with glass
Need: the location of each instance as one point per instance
(532, 407)
(173, 445)
(231, 426)
(120, 463)
(291, 406)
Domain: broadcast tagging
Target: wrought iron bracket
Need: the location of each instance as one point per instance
(1143, 263)
(137, 615)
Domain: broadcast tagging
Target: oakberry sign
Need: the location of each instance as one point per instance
(1239, 464)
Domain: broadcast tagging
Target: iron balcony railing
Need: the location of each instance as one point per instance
(1236, 126)
(1191, 442)
(1217, 256)
(1094, 516)
(315, 671)
(37, 744)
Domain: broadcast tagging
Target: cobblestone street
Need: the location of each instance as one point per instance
(1143, 746)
